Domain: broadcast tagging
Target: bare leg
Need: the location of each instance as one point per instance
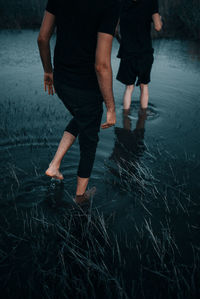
(81, 194)
(81, 185)
(127, 96)
(65, 143)
(144, 97)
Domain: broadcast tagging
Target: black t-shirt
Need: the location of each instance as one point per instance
(78, 23)
(135, 27)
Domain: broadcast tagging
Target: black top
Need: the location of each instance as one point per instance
(135, 27)
(78, 23)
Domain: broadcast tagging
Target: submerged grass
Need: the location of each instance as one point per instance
(144, 244)
(57, 249)
(57, 258)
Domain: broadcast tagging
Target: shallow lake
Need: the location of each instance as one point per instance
(145, 168)
(32, 122)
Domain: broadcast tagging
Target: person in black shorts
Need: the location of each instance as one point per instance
(136, 52)
(82, 75)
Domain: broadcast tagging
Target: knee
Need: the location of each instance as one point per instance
(129, 88)
(143, 86)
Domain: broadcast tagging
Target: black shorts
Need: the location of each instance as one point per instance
(136, 67)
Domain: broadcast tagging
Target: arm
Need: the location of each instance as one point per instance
(104, 75)
(157, 21)
(43, 40)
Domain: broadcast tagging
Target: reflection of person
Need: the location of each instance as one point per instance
(129, 144)
(82, 74)
(136, 50)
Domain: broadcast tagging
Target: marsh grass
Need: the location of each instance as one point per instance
(57, 249)
(58, 258)
(52, 248)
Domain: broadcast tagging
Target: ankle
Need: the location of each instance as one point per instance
(143, 107)
(79, 195)
(127, 106)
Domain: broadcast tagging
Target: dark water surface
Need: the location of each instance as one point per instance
(146, 173)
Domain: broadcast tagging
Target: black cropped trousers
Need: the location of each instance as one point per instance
(86, 107)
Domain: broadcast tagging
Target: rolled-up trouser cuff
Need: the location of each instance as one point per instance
(72, 128)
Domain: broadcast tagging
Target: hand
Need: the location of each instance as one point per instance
(111, 120)
(48, 83)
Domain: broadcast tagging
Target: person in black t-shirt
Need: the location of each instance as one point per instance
(136, 50)
(82, 75)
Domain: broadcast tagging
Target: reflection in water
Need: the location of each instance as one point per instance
(129, 146)
(55, 194)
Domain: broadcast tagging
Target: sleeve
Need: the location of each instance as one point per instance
(109, 19)
(51, 6)
(155, 6)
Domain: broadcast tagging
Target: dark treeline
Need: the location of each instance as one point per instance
(181, 17)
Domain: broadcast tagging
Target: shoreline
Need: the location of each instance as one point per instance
(155, 36)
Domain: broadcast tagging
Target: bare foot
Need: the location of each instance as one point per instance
(86, 196)
(54, 173)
